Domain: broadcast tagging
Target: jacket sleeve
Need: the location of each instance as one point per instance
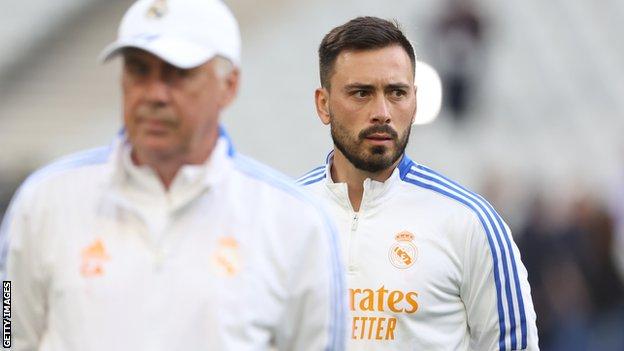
(315, 315)
(495, 289)
(21, 264)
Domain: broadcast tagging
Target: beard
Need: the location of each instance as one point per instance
(370, 159)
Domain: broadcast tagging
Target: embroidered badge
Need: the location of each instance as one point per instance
(403, 253)
(226, 260)
(158, 9)
(93, 258)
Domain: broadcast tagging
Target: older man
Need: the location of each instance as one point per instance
(169, 239)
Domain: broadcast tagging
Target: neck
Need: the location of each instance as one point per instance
(167, 166)
(343, 171)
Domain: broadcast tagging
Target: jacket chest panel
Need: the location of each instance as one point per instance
(405, 272)
(203, 269)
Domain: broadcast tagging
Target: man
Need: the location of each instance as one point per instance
(169, 239)
(430, 265)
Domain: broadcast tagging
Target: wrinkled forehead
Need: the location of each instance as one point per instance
(135, 54)
(388, 65)
(217, 66)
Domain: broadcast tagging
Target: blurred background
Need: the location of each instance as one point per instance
(532, 119)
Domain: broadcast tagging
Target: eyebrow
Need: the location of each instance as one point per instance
(361, 86)
(397, 86)
(130, 52)
(133, 59)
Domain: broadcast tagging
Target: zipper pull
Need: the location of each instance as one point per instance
(160, 255)
(355, 222)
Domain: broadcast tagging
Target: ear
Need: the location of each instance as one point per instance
(415, 103)
(231, 83)
(321, 99)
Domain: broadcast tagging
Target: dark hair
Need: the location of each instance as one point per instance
(361, 33)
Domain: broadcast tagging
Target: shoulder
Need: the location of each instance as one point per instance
(64, 170)
(315, 176)
(65, 166)
(269, 183)
(45, 189)
(473, 205)
(276, 199)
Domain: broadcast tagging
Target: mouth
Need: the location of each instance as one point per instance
(379, 136)
(380, 139)
(154, 125)
(376, 140)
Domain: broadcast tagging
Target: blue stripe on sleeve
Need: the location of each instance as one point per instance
(507, 246)
(313, 180)
(312, 174)
(420, 175)
(501, 316)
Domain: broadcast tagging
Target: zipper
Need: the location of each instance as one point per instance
(352, 266)
(159, 248)
(354, 222)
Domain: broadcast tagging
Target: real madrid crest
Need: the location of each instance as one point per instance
(158, 9)
(403, 253)
(226, 259)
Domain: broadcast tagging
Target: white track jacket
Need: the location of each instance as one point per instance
(430, 265)
(232, 257)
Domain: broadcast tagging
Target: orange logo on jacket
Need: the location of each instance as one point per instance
(376, 311)
(226, 258)
(93, 258)
(403, 253)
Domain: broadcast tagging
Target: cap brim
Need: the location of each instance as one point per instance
(179, 53)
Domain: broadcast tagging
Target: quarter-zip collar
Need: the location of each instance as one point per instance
(375, 193)
(139, 186)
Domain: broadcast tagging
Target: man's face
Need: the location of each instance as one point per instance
(170, 113)
(370, 106)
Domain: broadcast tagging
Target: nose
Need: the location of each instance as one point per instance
(157, 90)
(381, 111)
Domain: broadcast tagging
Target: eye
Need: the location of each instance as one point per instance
(137, 68)
(176, 75)
(398, 93)
(360, 93)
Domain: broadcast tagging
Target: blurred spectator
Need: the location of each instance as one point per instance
(578, 295)
(560, 304)
(616, 206)
(459, 37)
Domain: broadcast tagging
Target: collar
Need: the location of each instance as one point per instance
(137, 186)
(375, 192)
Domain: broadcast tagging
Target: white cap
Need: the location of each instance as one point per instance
(185, 33)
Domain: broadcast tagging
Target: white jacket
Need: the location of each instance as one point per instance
(232, 257)
(430, 265)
